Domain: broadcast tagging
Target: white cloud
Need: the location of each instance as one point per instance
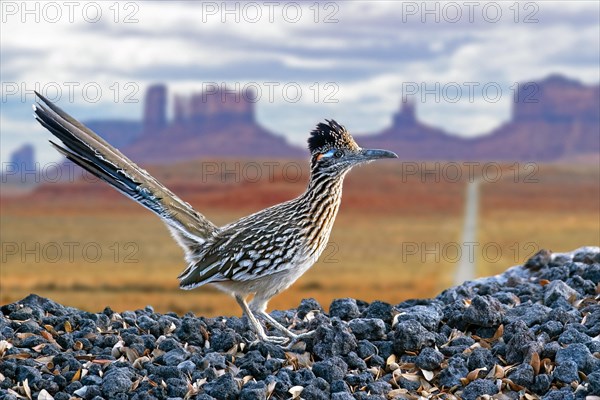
(373, 49)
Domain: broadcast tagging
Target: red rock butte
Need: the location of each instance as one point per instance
(555, 119)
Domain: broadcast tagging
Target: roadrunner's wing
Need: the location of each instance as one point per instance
(258, 245)
(88, 150)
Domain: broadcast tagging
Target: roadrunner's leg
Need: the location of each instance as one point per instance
(293, 336)
(260, 331)
(258, 305)
(277, 325)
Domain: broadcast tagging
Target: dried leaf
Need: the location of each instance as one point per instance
(136, 383)
(498, 334)
(50, 329)
(24, 335)
(572, 298)
(512, 385)
(535, 363)
(4, 345)
(139, 363)
(157, 353)
(427, 374)
(499, 372)
(295, 391)
(396, 318)
(77, 376)
(171, 328)
(376, 371)
(234, 369)
(271, 388)
(411, 377)
(102, 362)
(131, 354)
(391, 359)
(39, 347)
(27, 389)
(426, 387)
(299, 360)
(44, 395)
(20, 356)
(471, 376)
(548, 366)
(116, 350)
(9, 390)
(84, 357)
(393, 367)
(398, 394)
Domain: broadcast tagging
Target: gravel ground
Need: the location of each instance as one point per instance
(532, 332)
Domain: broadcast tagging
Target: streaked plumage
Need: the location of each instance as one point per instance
(261, 254)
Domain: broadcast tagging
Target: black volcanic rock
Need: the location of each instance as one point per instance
(355, 353)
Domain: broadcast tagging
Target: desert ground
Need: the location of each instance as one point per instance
(397, 236)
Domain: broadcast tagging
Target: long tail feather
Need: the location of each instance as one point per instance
(88, 150)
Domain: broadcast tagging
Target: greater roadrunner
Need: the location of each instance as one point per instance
(261, 254)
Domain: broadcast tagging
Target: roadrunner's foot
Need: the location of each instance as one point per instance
(277, 325)
(295, 337)
(299, 337)
(258, 328)
(274, 339)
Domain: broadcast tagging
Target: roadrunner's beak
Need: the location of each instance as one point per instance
(375, 154)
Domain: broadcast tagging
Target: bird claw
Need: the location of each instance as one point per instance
(304, 335)
(290, 341)
(298, 337)
(275, 339)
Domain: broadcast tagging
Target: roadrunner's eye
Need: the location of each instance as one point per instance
(331, 153)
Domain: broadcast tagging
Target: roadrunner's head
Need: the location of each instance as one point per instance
(333, 149)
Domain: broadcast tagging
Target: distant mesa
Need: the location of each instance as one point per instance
(155, 110)
(219, 123)
(24, 158)
(412, 139)
(21, 167)
(552, 119)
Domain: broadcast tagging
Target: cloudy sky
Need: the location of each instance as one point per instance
(349, 60)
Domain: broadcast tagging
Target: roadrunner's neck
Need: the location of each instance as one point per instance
(321, 202)
(324, 189)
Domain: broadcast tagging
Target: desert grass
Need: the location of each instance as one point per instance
(383, 215)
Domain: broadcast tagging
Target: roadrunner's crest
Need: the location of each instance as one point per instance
(327, 136)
